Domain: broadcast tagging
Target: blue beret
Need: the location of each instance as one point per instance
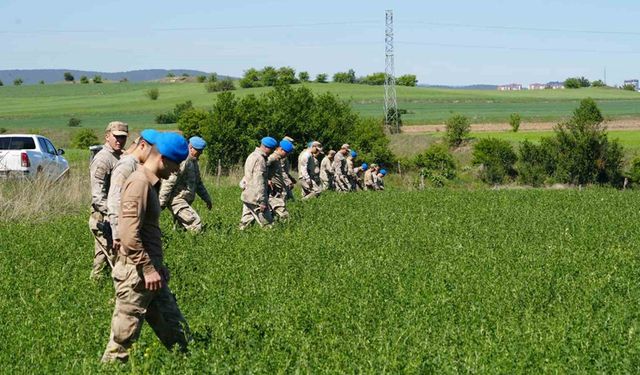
(172, 146)
(269, 142)
(286, 145)
(365, 166)
(383, 172)
(353, 154)
(198, 143)
(149, 135)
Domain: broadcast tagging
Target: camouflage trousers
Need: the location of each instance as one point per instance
(185, 216)
(310, 188)
(327, 183)
(102, 247)
(134, 304)
(278, 205)
(251, 213)
(342, 184)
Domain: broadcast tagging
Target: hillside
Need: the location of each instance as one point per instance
(34, 76)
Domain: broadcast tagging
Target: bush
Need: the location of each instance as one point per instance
(496, 158)
(153, 93)
(436, 164)
(1, 83)
(629, 87)
(213, 77)
(201, 79)
(3, 130)
(374, 79)
(514, 121)
(407, 80)
(97, 79)
(41, 82)
(536, 162)
(303, 76)
(84, 80)
(170, 75)
(598, 83)
(85, 138)
(18, 82)
(345, 77)
(74, 122)
(634, 171)
(172, 117)
(69, 77)
(369, 139)
(321, 78)
(458, 128)
(224, 85)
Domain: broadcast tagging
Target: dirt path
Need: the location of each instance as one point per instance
(626, 124)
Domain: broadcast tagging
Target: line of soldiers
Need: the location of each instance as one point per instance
(160, 170)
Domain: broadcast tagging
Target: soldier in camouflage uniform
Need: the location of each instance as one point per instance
(100, 169)
(255, 190)
(359, 173)
(370, 176)
(326, 171)
(277, 183)
(340, 179)
(309, 170)
(179, 191)
(140, 277)
(380, 179)
(289, 181)
(351, 175)
(138, 154)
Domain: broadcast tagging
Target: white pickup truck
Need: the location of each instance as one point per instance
(30, 156)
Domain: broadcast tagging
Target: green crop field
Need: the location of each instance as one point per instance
(439, 281)
(51, 106)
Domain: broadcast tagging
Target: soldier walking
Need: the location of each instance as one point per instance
(179, 191)
(340, 179)
(380, 179)
(139, 275)
(359, 175)
(100, 169)
(307, 171)
(370, 176)
(255, 191)
(326, 171)
(289, 181)
(351, 175)
(277, 182)
(128, 163)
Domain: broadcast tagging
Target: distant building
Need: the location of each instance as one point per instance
(555, 85)
(537, 86)
(510, 87)
(633, 82)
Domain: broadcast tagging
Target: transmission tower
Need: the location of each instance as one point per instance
(390, 100)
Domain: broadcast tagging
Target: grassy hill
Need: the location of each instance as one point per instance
(50, 106)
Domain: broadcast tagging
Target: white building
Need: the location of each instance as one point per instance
(510, 87)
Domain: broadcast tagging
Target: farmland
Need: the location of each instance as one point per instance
(483, 281)
(50, 106)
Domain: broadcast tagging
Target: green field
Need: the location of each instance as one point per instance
(440, 281)
(50, 106)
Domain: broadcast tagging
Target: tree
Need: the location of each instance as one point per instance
(458, 127)
(18, 82)
(251, 78)
(41, 82)
(85, 138)
(345, 77)
(224, 85)
(514, 121)
(584, 82)
(213, 77)
(497, 158)
(170, 75)
(287, 75)
(84, 80)
(572, 83)
(376, 79)
(407, 80)
(185, 74)
(598, 83)
(303, 76)
(269, 76)
(201, 79)
(629, 87)
(153, 93)
(1, 83)
(321, 78)
(97, 79)
(68, 77)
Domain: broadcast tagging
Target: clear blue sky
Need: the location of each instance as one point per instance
(442, 42)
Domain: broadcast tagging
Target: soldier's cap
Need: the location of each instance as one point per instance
(364, 166)
(374, 165)
(353, 154)
(197, 143)
(172, 146)
(345, 146)
(150, 136)
(383, 172)
(118, 128)
(269, 142)
(317, 145)
(287, 138)
(286, 145)
(331, 152)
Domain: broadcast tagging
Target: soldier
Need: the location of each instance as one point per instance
(289, 181)
(307, 170)
(255, 191)
(128, 163)
(277, 182)
(380, 179)
(340, 169)
(139, 275)
(359, 173)
(351, 176)
(326, 171)
(179, 191)
(100, 169)
(370, 177)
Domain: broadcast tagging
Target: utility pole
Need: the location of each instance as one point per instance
(390, 100)
(605, 75)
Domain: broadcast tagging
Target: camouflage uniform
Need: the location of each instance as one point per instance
(379, 183)
(255, 191)
(340, 179)
(278, 186)
(179, 191)
(326, 174)
(307, 171)
(100, 168)
(288, 179)
(351, 176)
(141, 254)
(123, 169)
(369, 181)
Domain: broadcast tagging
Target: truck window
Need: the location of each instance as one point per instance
(43, 144)
(50, 149)
(17, 143)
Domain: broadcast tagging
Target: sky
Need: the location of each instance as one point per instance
(441, 42)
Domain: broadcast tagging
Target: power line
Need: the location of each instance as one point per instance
(507, 48)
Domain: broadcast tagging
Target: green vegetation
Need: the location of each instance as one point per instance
(18, 82)
(153, 93)
(458, 127)
(484, 281)
(74, 122)
(496, 159)
(85, 138)
(514, 122)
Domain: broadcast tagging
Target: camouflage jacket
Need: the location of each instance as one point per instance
(184, 185)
